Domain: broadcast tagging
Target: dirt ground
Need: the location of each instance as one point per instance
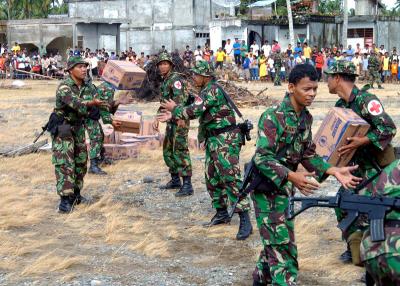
(134, 233)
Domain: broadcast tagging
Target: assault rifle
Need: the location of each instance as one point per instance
(375, 207)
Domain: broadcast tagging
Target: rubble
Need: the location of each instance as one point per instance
(150, 89)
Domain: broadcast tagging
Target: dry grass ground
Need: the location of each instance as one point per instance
(133, 233)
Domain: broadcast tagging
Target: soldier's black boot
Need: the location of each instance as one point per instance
(65, 205)
(257, 283)
(186, 189)
(245, 227)
(174, 183)
(94, 168)
(220, 217)
(380, 87)
(346, 256)
(78, 198)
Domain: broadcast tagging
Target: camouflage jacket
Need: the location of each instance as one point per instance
(382, 129)
(210, 107)
(278, 62)
(105, 92)
(373, 62)
(173, 88)
(70, 100)
(285, 140)
(386, 185)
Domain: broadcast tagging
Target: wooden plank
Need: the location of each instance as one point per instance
(27, 149)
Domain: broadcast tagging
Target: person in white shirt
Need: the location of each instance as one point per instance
(229, 50)
(357, 62)
(255, 48)
(266, 48)
(198, 54)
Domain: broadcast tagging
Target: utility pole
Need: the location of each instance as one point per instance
(345, 23)
(290, 18)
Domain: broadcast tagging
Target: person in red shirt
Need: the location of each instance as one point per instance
(319, 64)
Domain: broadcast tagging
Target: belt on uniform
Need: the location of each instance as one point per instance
(216, 132)
(392, 223)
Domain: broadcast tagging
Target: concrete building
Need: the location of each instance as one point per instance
(151, 24)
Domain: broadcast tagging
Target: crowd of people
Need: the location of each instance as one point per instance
(259, 63)
(251, 63)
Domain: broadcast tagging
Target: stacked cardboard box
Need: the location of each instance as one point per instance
(120, 144)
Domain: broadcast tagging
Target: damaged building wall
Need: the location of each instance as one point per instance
(151, 24)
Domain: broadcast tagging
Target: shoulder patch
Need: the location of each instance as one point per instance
(178, 84)
(64, 88)
(374, 107)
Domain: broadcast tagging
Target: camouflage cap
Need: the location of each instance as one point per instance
(203, 68)
(342, 67)
(73, 61)
(164, 57)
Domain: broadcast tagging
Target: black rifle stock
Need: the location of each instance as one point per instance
(355, 205)
(245, 188)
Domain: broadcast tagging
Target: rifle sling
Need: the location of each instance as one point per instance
(229, 100)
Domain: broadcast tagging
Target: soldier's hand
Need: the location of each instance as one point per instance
(344, 176)
(155, 125)
(302, 183)
(353, 144)
(96, 102)
(168, 104)
(116, 124)
(164, 116)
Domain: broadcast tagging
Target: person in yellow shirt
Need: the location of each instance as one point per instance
(394, 70)
(307, 52)
(16, 48)
(263, 67)
(385, 68)
(220, 58)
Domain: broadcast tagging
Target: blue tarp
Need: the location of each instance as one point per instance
(261, 3)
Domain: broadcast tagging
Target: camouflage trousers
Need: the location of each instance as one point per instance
(70, 161)
(176, 150)
(222, 171)
(277, 78)
(96, 138)
(374, 76)
(277, 263)
(384, 268)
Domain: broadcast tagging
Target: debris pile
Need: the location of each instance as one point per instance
(150, 89)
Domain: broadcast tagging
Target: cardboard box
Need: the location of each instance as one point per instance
(127, 125)
(338, 125)
(119, 152)
(146, 127)
(123, 75)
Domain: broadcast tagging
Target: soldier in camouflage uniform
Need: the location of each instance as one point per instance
(278, 62)
(95, 133)
(284, 141)
(105, 92)
(175, 147)
(373, 70)
(341, 78)
(382, 259)
(222, 140)
(68, 145)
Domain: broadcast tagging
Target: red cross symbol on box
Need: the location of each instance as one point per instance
(375, 107)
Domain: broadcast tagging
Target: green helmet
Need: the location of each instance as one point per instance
(73, 61)
(342, 67)
(203, 68)
(164, 57)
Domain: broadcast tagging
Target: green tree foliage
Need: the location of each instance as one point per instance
(28, 9)
(330, 7)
